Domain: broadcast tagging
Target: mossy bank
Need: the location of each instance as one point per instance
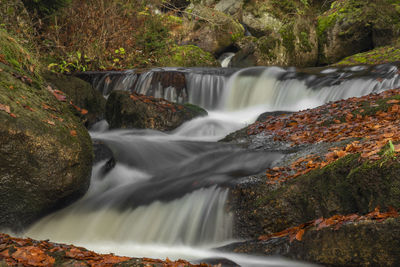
(45, 152)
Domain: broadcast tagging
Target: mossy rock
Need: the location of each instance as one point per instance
(295, 43)
(125, 110)
(379, 55)
(188, 56)
(354, 26)
(45, 152)
(209, 29)
(343, 187)
(364, 243)
(82, 95)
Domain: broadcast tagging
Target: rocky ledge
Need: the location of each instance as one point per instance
(132, 110)
(29, 252)
(341, 163)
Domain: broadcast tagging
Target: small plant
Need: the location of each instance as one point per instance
(388, 153)
(75, 62)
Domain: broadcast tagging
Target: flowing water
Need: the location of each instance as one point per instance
(167, 194)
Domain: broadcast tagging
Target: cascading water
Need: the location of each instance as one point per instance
(280, 89)
(166, 194)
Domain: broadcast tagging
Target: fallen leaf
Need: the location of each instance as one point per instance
(73, 133)
(5, 108)
(50, 122)
(300, 233)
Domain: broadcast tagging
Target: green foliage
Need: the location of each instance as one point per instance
(75, 62)
(44, 8)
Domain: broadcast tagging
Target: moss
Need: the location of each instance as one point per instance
(188, 56)
(379, 55)
(196, 109)
(346, 186)
(267, 46)
(288, 37)
(17, 56)
(305, 41)
(46, 154)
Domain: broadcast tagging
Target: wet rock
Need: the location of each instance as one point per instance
(82, 94)
(124, 110)
(101, 151)
(219, 262)
(29, 252)
(344, 187)
(365, 243)
(45, 152)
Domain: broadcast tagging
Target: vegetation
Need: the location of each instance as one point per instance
(378, 55)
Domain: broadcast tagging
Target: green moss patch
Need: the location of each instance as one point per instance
(379, 55)
(188, 56)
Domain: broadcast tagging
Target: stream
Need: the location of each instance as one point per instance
(166, 195)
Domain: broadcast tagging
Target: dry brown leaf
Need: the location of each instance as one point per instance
(300, 233)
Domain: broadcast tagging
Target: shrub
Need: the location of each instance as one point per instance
(44, 8)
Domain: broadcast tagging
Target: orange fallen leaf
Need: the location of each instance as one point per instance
(73, 133)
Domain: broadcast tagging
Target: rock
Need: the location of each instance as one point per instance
(45, 152)
(125, 110)
(82, 95)
(230, 7)
(261, 24)
(365, 243)
(295, 44)
(351, 27)
(344, 187)
(209, 29)
(380, 55)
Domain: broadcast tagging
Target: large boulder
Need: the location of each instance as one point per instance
(209, 29)
(344, 187)
(125, 110)
(355, 26)
(45, 152)
(82, 94)
(294, 44)
(330, 169)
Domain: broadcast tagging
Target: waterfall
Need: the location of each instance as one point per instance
(166, 190)
(225, 59)
(232, 89)
(113, 80)
(281, 89)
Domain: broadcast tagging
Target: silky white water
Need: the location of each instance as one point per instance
(167, 194)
